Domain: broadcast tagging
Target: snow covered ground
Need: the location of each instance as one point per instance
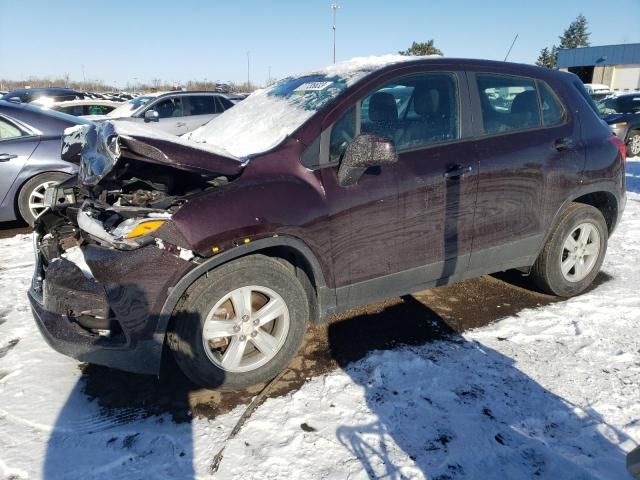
(550, 392)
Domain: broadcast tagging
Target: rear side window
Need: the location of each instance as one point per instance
(552, 111)
(9, 130)
(508, 103)
(201, 105)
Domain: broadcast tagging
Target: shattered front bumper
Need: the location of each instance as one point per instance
(109, 315)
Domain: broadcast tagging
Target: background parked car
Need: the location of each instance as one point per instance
(623, 114)
(57, 94)
(30, 158)
(598, 91)
(173, 112)
(86, 107)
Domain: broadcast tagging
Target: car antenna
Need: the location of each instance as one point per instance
(512, 44)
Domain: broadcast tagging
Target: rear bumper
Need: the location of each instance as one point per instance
(108, 316)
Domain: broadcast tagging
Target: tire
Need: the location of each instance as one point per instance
(577, 219)
(633, 144)
(30, 192)
(210, 363)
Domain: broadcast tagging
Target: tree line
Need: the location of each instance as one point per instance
(575, 36)
(155, 85)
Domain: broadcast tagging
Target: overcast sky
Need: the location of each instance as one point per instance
(176, 41)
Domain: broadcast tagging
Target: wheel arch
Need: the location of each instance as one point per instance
(600, 196)
(290, 249)
(23, 181)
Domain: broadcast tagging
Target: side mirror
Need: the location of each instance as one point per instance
(151, 116)
(364, 152)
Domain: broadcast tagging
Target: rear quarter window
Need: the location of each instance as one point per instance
(553, 113)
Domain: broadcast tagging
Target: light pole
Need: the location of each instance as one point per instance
(135, 82)
(248, 70)
(334, 7)
(84, 78)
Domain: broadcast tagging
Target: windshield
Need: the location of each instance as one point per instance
(619, 105)
(129, 108)
(267, 117)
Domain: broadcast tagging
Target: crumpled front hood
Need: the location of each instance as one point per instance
(100, 146)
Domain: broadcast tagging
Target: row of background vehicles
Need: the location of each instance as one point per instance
(30, 130)
(32, 121)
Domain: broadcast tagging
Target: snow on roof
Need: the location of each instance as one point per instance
(264, 119)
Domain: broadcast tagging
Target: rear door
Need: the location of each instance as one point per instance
(16, 146)
(528, 147)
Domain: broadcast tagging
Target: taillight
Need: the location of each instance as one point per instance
(622, 148)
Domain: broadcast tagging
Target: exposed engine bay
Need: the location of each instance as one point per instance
(127, 188)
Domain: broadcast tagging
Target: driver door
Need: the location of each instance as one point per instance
(402, 227)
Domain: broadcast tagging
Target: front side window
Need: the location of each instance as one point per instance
(508, 103)
(169, 107)
(9, 130)
(414, 111)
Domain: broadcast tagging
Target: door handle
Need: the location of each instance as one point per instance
(5, 157)
(563, 144)
(456, 171)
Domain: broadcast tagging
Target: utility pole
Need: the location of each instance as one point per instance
(248, 70)
(334, 7)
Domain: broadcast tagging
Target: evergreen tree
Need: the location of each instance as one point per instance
(576, 35)
(548, 57)
(422, 48)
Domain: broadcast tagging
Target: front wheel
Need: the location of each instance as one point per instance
(241, 324)
(573, 254)
(31, 196)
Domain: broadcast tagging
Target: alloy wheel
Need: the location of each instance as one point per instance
(580, 252)
(246, 329)
(634, 145)
(36, 199)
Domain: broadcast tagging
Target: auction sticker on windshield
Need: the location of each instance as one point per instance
(312, 86)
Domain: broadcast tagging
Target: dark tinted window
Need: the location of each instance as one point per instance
(629, 104)
(169, 107)
(226, 103)
(413, 111)
(552, 111)
(200, 105)
(508, 103)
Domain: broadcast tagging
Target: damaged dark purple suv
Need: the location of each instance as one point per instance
(366, 180)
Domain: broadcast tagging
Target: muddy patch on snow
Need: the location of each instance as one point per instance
(411, 320)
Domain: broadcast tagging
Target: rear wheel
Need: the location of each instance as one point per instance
(573, 254)
(633, 144)
(240, 325)
(31, 196)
